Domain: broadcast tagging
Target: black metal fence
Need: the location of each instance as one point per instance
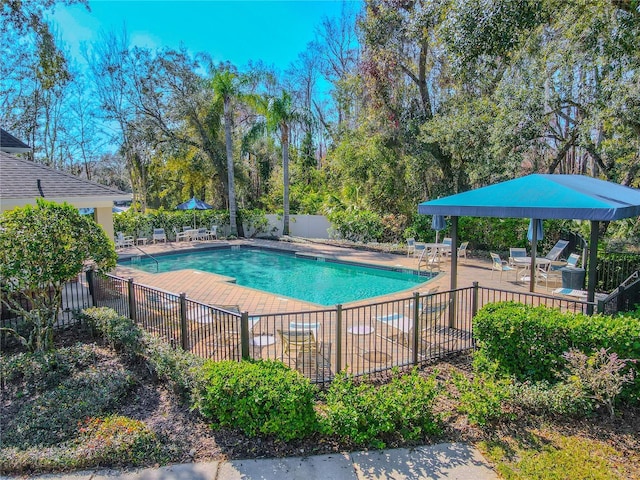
(613, 268)
(319, 343)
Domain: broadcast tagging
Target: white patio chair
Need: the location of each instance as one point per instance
(498, 264)
(159, 235)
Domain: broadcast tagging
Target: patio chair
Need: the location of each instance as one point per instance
(553, 271)
(462, 250)
(123, 241)
(411, 246)
(516, 252)
(430, 258)
(185, 234)
(305, 327)
(446, 241)
(301, 341)
(213, 233)
(159, 235)
(498, 264)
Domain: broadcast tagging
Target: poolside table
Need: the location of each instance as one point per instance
(523, 265)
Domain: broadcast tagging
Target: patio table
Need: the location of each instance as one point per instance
(523, 265)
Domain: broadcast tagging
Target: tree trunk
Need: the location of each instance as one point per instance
(285, 178)
(233, 221)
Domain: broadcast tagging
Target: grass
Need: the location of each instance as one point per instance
(543, 454)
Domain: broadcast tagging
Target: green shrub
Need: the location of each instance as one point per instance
(51, 417)
(483, 397)
(545, 399)
(174, 366)
(367, 415)
(26, 373)
(115, 440)
(109, 441)
(529, 342)
(357, 225)
(263, 397)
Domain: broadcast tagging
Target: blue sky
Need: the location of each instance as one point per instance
(274, 32)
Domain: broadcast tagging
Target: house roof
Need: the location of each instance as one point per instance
(574, 197)
(22, 179)
(10, 144)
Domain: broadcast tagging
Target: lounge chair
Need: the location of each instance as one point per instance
(498, 264)
(159, 235)
(557, 249)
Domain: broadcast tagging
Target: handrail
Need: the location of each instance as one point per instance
(151, 257)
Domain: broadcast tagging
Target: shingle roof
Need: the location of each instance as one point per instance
(9, 143)
(24, 179)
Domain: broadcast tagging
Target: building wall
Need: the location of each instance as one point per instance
(306, 226)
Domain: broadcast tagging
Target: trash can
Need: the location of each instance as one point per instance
(573, 278)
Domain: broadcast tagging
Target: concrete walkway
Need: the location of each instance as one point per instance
(444, 461)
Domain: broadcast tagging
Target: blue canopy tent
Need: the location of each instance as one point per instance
(570, 197)
(194, 204)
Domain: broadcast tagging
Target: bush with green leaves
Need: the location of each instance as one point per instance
(26, 373)
(483, 396)
(357, 225)
(529, 342)
(543, 398)
(43, 247)
(366, 414)
(259, 398)
(51, 417)
(174, 366)
(112, 440)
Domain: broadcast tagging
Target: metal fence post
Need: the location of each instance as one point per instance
(474, 300)
(338, 338)
(132, 300)
(184, 331)
(90, 279)
(244, 335)
(417, 329)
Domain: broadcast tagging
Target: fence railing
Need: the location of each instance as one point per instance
(361, 339)
(613, 268)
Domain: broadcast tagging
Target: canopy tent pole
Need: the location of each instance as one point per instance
(534, 253)
(593, 263)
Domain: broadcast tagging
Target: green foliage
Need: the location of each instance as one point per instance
(41, 248)
(115, 439)
(368, 415)
(52, 416)
(529, 342)
(482, 397)
(601, 375)
(135, 223)
(542, 398)
(259, 398)
(175, 367)
(27, 373)
(357, 225)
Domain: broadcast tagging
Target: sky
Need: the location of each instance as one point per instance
(273, 32)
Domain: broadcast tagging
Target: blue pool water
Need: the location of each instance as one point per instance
(324, 283)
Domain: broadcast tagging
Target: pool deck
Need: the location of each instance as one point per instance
(217, 290)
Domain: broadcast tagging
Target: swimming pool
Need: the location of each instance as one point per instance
(306, 278)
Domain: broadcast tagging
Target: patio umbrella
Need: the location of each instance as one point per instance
(438, 223)
(539, 229)
(194, 204)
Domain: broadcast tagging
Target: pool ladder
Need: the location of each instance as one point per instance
(151, 257)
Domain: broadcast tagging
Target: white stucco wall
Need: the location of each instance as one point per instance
(306, 226)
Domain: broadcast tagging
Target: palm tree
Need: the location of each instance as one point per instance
(279, 114)
(226, 86)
